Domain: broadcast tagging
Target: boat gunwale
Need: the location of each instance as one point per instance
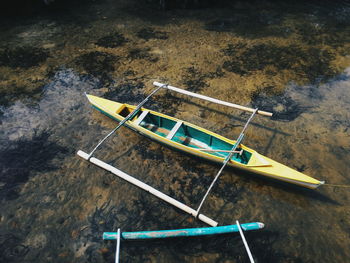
(203, 154)
(194, 151)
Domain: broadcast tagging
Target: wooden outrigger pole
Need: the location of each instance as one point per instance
(244, 242)
(199, 96)
(147, 188)
(117, 249)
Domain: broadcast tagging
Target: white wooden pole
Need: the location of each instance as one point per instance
(117, 250)
(245, 242)
(199, 96)
(147, 188)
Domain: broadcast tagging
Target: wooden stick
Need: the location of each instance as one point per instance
(245, 242)
(147, 188)
(199, 96)
(223, 151)
(117, 250)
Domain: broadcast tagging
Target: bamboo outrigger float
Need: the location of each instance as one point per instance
(188, 232)
(192, 139)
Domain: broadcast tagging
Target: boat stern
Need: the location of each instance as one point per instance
(284, 173)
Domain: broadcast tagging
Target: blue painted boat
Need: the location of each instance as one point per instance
(188, 232)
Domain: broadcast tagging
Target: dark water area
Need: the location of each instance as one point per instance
(290, 57)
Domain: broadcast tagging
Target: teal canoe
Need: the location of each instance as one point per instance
(188, 232)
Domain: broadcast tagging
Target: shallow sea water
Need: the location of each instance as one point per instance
(291, 58)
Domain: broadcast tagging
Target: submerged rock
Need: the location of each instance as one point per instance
(99, 64)
(142, 53)
(149, 33)
(22, 57)
(112, 41)
(244, 60)
(19, 159)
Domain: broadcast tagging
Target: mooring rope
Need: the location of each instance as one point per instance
(338, 185)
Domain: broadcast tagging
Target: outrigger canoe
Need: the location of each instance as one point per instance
(200, 142)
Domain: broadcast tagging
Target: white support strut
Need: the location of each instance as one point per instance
(174, 130)
(117, 248)
(141, 117)
(245, 242)
(147, 188)
(199, 96)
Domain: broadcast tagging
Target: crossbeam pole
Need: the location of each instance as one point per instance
(131, 114)
(227, 159)
(199, 96)
(245, 242)
(117, 249)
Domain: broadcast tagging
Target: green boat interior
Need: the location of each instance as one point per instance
(186, 135)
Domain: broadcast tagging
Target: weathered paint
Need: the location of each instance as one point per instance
(189, 232)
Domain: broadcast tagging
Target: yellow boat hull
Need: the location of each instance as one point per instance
(258, 163)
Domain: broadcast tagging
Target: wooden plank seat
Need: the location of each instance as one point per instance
(174, 130)
(141, 117)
